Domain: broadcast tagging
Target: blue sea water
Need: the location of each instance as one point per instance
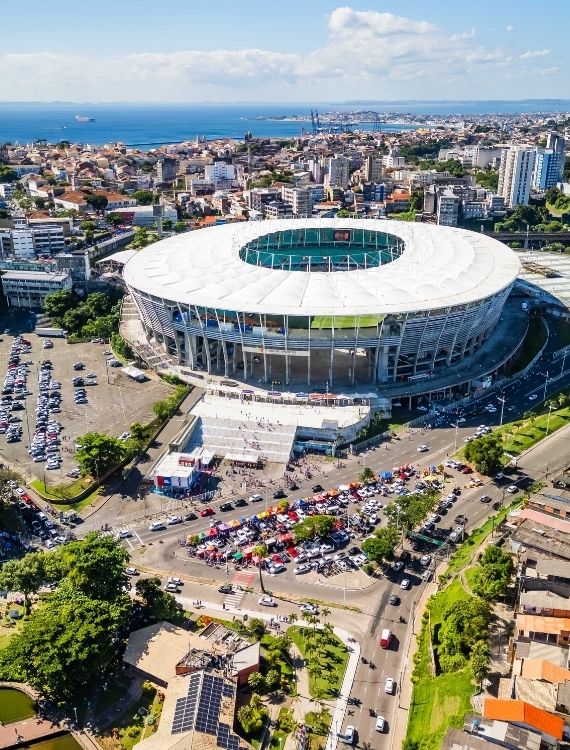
(149, 125)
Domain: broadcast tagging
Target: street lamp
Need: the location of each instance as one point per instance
(550, 408)
(545, 384)
(456, 425)
(502, 400)
(563, 361)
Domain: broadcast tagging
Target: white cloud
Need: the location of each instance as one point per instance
(532, 53)
(366, 54)
(509, 29)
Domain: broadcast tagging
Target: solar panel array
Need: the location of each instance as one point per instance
(200, 709)
(208, 713)
(186, 707)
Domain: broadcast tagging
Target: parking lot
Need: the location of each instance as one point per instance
(110, 405)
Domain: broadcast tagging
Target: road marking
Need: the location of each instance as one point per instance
(234, 599)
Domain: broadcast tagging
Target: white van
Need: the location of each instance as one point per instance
(156, 526)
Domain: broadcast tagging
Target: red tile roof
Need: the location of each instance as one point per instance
(523, 713)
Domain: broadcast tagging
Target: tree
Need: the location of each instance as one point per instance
(562, 399)
(97, 202)
(74, 319)
(480, 658)
(256, 682)
(57, 304)
(491, 578)
(144, 197)
(158, 604)
(114, 220)
(313, 527)
(486, 453)
(25, 576)
(99, 453)
(382, 544)
(88, 226)
(260, 551)
(95, 566)
(138, 431)
(180, 226)
(7, 174)
(66, 646)
(367, 476)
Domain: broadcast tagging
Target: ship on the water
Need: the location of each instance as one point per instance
(84, 118)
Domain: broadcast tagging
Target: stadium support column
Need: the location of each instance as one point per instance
(309, 356)
(382, 366)
(287, 357)
(331, 364)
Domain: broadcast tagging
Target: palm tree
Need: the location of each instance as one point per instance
(260, 551)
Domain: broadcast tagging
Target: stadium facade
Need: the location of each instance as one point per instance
(322, 302)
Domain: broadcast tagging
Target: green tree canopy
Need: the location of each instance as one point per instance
(97, 202)
(313, 527)
(381, 545)
(158, 604)
(66, 645)
(94, 566)
(486, 453)
(25, 575)
(99, 453)
(144, 197)
(7, 174)
(58, 303)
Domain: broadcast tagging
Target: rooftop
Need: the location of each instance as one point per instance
(520, 712)
(439, 267)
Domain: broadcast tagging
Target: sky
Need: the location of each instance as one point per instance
(293, 51)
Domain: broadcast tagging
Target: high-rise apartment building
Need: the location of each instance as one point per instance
(549, 168)
(337, 172)
(299, 198)
(372, 168)
(516, 174)
(166, 169)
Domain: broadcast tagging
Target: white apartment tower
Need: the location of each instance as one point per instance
(337, 172)
(516, 174)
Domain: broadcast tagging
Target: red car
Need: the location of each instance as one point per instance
(207, 512)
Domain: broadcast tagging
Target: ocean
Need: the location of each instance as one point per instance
(149, 125)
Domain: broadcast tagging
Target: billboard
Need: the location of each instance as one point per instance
(341, 235)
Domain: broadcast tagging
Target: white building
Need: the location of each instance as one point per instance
(30, 288)
(219, 171)
(338, 170)
(300, 199)
(516, 174)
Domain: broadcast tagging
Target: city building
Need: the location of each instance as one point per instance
(337, 172)
(315, 300)
(219, 171)
(166, 169)
(447, 208)
(27, 242)
(373, 168)
(299, 198)
(30, 288)
(145, 216)
(549, 168)
(258, 198)
(76, 263)
(516, 174)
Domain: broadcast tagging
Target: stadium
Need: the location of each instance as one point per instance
(322, 302)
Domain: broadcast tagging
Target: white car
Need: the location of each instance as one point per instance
(301, 569)
(267, 601)
(380, 723)
(171, 587)
(175, 581)
(156, 526)
(131, 571)
(422, 448)
(405, 584)
(389, 686)
(124, 534)
(397, 565)
(309, 609)
(533, 397)
(349, 735)
(512, 489)
(173, 520)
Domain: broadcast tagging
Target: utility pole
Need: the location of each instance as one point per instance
(502, 400)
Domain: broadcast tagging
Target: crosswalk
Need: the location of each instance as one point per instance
(233, 600)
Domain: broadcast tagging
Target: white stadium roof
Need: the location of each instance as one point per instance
(440, 267)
